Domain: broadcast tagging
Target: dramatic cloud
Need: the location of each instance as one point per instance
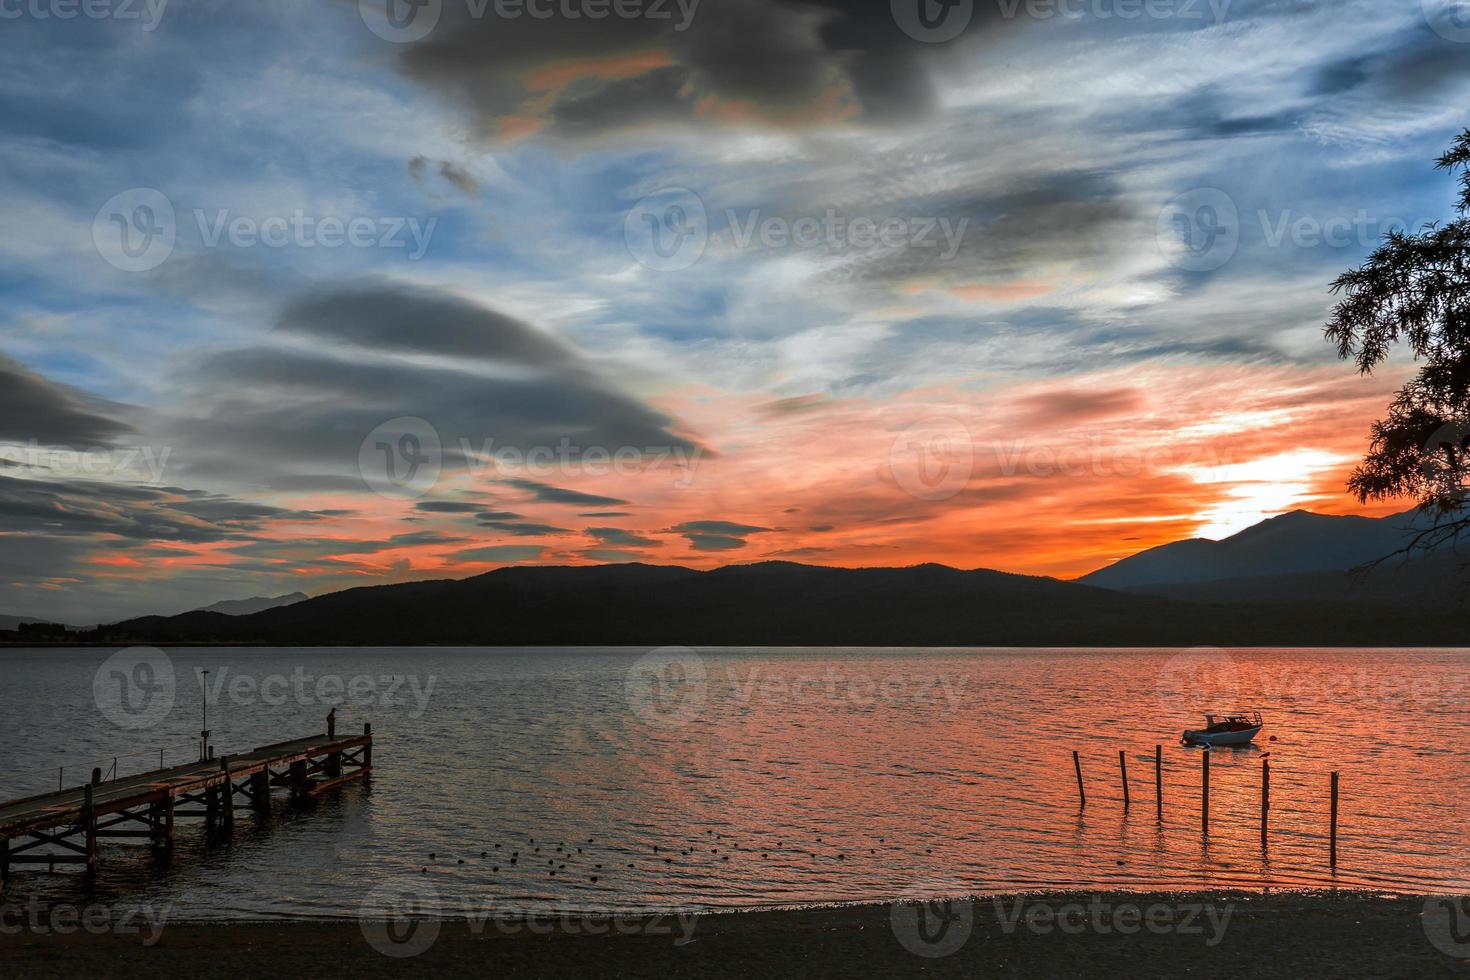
(557, 495)
(34, 409)
(618, 536)
(777, 61)
(716, 535)
(286, 416)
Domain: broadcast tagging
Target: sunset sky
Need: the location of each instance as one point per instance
(712, 282)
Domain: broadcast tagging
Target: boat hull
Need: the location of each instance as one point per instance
(1243, 737)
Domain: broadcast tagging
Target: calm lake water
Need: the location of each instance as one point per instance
(763, 777)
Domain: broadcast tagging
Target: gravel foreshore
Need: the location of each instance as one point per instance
(1086, 934)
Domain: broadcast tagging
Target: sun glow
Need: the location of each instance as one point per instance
(1261, 488)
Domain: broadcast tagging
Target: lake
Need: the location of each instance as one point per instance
(763, 777)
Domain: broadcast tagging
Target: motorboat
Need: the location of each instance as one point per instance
(1235, 728)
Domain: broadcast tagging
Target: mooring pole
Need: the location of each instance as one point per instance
(1265, 799)
(1123, 768)
(1333, 851)
(1159, 780)
(1077, 764)
(1204, 801)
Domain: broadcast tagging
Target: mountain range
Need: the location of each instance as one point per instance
(1296, 579)
(1301, 556)
(244, 607)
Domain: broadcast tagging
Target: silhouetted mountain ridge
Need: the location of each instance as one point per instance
(1293, 543)
(781, 604)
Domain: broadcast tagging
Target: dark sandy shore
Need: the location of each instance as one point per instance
(1097, 935)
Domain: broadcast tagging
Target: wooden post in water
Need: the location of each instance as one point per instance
(297, 776)
(1123, 768)
(1159, 780)
(1265, 799)
(89, 826)
(228, 802)
(1204, 801)
(1333, 850)
(1077, 764)
(260, 791)
(168, 824)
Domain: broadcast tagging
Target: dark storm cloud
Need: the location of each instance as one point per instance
(619, 536)
(35, 408)
(781, 57)
(1417, 64)
(448, 506)
(283, 416)
(1009, 231)
(292, 550)
(135, 512)
(611, 554)
(716, 535)
(523, 529)
(508, 553)
(401, 318)
(559, 495)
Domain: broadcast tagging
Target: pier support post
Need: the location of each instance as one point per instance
(367, 750)
(228, 802)
(4, 863)
(299, 784)
(1077, 764)
(168, 824)
(260, 791)
(89, 828)
(96, 775)
(1123, 768)
(1204, 801)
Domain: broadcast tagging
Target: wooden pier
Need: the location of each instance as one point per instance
(65, 827)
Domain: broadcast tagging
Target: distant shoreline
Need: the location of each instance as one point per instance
(1224, 933)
